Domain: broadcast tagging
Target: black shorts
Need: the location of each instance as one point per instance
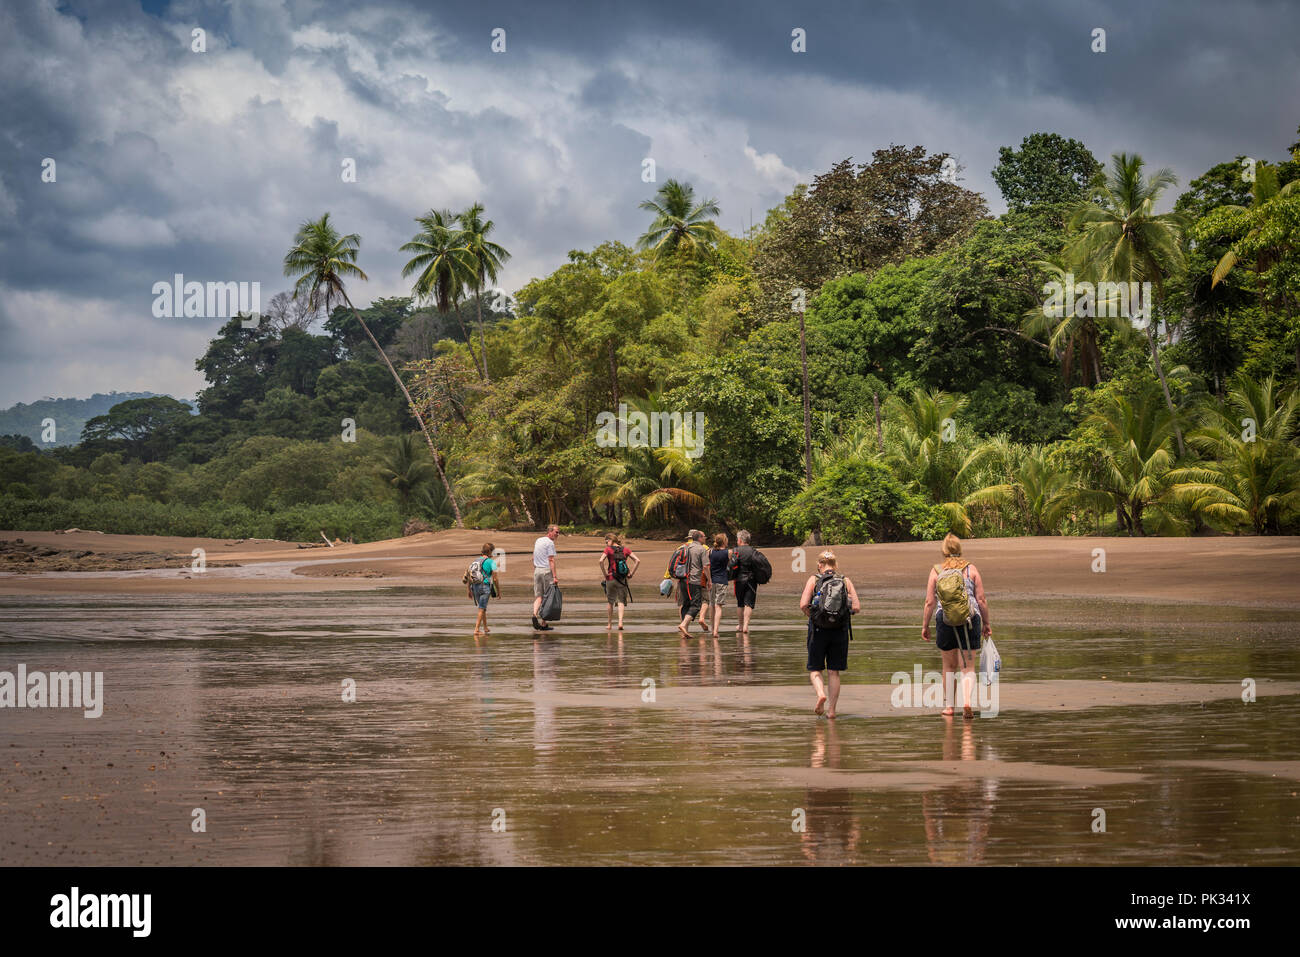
(746, 592)
(690, 597)
(828, 650)
(966, 637)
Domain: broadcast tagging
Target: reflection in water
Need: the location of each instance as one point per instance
(957, 816)
(236, 707)
(545, 658)
(832, 832)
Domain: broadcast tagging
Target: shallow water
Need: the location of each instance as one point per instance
(234, 705)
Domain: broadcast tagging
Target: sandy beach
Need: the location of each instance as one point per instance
(1244, 571)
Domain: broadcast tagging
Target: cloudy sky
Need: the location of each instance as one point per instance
(173, 161)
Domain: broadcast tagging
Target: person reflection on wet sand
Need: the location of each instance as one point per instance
(831, 833)
(958, 816)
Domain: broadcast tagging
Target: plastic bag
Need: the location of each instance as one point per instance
(552, 603)
(990, 662)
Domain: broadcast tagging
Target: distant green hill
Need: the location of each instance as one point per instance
(69, 416)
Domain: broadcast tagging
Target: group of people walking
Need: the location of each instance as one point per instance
(704, 578)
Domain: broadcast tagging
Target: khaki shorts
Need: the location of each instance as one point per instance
(616, 592)
(542, 580)
(718, 594)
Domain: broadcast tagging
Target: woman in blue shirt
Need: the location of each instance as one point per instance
(481, 591)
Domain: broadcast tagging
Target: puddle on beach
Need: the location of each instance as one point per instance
(233, 704)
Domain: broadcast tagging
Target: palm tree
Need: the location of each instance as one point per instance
(1119, 237)
(680, 224)
(487, 258)
(1251, 477)
(923, 450)
(404, 471)
(1132, 476)
(1075, 339)
(650, 481)
(444, 267)
(320, 260)
(1034, 486)
(1264, 189)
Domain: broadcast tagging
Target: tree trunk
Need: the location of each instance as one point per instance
(613, 372)
(807, 403)
(880, 432)
(469, 341)
(482, 343)
(437, 463)
(1160, 371)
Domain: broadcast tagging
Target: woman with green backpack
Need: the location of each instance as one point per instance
(956, 588)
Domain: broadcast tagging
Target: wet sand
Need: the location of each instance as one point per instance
(223, 692)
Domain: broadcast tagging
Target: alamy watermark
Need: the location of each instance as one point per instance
(1127, 300)
(214, 300)
(640, 430)
(57, 689)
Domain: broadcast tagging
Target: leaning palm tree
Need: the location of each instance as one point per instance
(443, 266)
(1119, 237)
(487, 258)
(320, 260)
(680, 223)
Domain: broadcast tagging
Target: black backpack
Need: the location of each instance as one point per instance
(620, 564)
(830, 605)
(761, 568)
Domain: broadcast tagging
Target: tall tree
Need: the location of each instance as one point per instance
(443, 266)
(319, 261)
(487, 258)
(1047, 169)
(1119, 237)
(680, 224)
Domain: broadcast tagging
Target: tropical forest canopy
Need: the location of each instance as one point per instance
(880, 359)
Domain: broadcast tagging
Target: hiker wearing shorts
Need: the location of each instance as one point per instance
(828, 647)
(959, 645)
(716, 594)
(481, 591)
(690, 590)
(617, 591)
(544, 574)
(746, 588)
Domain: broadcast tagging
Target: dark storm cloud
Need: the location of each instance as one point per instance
(170, 161)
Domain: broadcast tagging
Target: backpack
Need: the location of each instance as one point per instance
(954, 598)
(475, 574)
(762, 568)
(620, 565)
(830, 604)
(733, 564)
(680, 566)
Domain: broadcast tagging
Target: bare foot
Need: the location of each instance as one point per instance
(683, 632)
(821, 704)
(967, 713)
(947, 712)
(830, 715)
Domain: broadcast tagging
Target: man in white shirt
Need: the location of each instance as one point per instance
(543, 572)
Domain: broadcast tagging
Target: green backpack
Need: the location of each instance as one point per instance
(954, 599)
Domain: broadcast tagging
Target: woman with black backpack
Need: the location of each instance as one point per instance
(618, 563)
(829, 600)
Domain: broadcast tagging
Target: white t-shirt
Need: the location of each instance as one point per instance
(543, 549)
